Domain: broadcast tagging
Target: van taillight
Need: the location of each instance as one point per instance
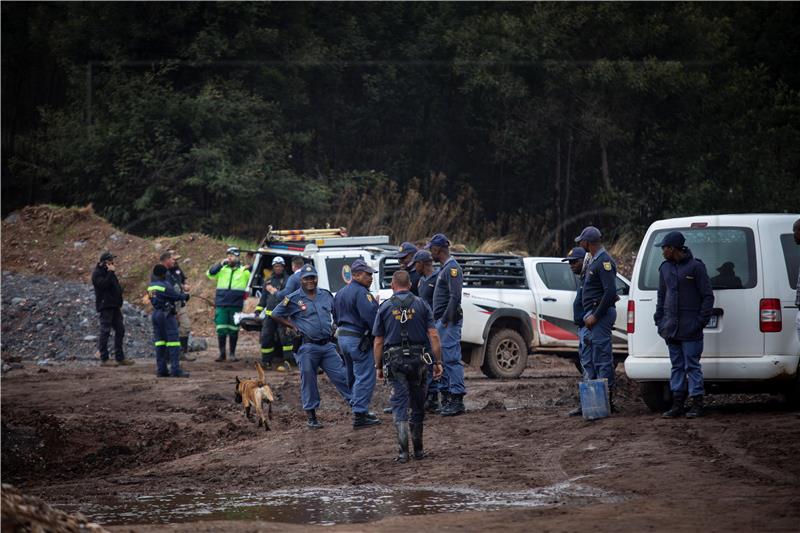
(769, 312)
(631, 316)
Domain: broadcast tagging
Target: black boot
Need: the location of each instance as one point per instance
(696, 408)
(185, 350)
(445, 401)
(402, 441)
(416, 440)
(432, 402)
(363, 420)
(678, 405)
(221, 342)
(455, 407)
(612, 407)
(312, 422)
(578, 411)
(234, 338)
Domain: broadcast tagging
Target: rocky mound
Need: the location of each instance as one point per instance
(28, 513)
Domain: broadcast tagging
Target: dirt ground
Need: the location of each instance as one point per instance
(80, 433)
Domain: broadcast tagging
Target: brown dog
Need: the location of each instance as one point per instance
(251, 392)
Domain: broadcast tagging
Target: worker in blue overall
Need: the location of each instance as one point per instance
(354, 310)
(309, 311)
(403, 329)
(449, 319)
(164, 298)
(599, 294)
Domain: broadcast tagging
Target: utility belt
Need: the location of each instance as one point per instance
(366, 338)
(165, 308)
(309, 340)
(409, 360)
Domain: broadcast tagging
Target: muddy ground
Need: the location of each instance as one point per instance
(78, 434)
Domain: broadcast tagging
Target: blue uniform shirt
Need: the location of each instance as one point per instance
(447, 292)
(388, 326)
(600, 284)
(685, 299)
(292, 285)
(313, 318)
(425, 287)
(354, 308)
(163, 295)
(577, 305)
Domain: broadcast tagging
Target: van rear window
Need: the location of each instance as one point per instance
(791, 256)
(728, 253)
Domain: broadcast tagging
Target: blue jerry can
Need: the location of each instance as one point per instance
(594, 399)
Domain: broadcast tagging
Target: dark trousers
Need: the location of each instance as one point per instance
(274, 336)
(409, 389)
(111, 319)
(166, 341)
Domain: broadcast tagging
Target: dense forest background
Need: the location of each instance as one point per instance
(478, 119)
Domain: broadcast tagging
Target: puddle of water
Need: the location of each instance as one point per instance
(327, 505)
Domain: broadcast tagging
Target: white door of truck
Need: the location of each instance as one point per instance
(554, 287)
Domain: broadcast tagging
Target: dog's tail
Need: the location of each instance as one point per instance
(262, 378)
(268, 393)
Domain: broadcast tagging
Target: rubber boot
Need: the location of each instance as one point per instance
(161, 362)
(416, 440)
(234, 338)
(611, 406)
(175, 365)
(312, 422)
(678, 405)
(432, 402)
(221, 341)
(185, 350)
(362, 420)
(446, 399)
(402, 441)
(455, 407)
(696, 408)
(266, 362)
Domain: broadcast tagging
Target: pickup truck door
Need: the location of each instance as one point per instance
(333, 267)
(554, 287)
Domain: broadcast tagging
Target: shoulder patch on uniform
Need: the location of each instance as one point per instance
(607, 265)
(369, 297)
(454, 272)
(285, 300)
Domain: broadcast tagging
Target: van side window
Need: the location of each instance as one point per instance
(728, 253)
(557, 276)
(791, 256)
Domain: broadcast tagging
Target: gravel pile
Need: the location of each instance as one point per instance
(48, 320)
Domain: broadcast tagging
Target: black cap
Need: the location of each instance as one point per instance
(107, 256)
(159, 271)
(673, 238)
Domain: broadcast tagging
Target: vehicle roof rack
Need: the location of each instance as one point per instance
(298, 240)
(480, 270)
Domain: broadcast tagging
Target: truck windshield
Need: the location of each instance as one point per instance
(728, 253)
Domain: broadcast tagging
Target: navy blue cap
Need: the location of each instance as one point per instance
(405, 249)
(423, 255)
(107, 256)
(589, 234)
(440, 239)
(308, 271)
(575, 254)
(673, 238)
(359, 265)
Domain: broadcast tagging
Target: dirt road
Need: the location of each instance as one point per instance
(82, 436)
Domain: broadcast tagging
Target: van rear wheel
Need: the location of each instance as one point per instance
(506, 354)
(656, 395)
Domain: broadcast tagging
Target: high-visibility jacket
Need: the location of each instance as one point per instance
(231, 284)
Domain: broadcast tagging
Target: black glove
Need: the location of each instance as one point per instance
(187, 297)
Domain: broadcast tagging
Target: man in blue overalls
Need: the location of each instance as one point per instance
(599, 294)
(164, 297)
(448, 315)
(403, 328)
(423, 263)
(309, 310)
(575, 258)
(683, 308)
(354, 310)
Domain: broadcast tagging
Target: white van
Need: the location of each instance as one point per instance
(750, 344)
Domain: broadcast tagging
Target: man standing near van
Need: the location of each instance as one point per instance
(598, 295)
(685, 301)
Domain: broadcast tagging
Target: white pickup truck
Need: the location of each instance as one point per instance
(512, 305)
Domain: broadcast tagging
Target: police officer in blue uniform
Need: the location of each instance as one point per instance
(164, 298)
(354, 310)
(423, 263)
(599, 294)
(406, 258)
(309, 311)
(448, 316)
(576, 258)
(683, 308)
(403, 328)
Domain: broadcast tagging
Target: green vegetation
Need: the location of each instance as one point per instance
(517, 120)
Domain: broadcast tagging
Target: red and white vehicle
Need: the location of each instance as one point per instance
(514, 306)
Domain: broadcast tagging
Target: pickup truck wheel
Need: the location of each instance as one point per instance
(656, 395)
(506, 354)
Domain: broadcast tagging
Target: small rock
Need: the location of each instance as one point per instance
(43, 362)
(115, 237)
(197, 344)
(18, 301)
(39, 326)
(13, 218)
(90, 338)
(79, 245)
